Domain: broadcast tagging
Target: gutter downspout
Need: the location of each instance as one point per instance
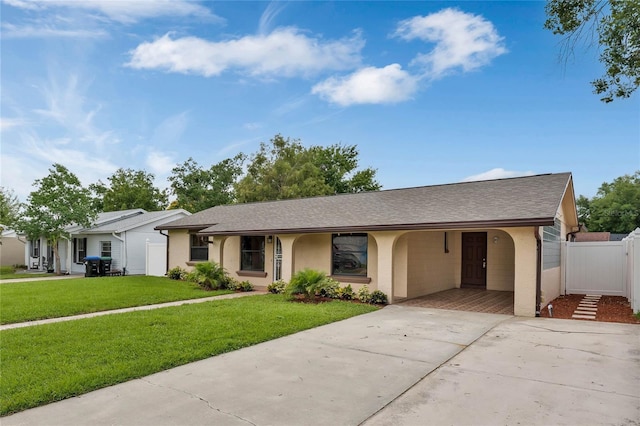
(538, 270)
(123, 254)
(573, 234)
(167, 265)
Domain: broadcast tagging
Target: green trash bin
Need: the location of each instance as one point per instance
(105, 266)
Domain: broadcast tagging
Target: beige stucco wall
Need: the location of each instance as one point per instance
(179, 249)
(11, 251)
(313, 251)
(231, 262)
(525, 270)
(429, 268)
(500, 261)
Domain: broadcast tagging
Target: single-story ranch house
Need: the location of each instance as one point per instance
(121, 235)
(500, 234)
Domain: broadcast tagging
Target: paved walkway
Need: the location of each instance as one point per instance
(588, 307)
(49, 278)
(132, 309)
(396, 366)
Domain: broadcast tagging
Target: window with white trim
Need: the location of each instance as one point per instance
(79, 249)
(551, 241)
(105, 248)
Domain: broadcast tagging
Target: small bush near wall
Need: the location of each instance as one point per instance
(177, 273)
(209, 276)
(307, 282)
(277, 287)
(346, 293)
(364, 295)
(378, 297)
(329, 288)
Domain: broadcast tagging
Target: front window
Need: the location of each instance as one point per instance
(349, 254)
(79, 249)
(199, 247)
(551, 242)
(252, 253)
(35, 248)
(105, 248)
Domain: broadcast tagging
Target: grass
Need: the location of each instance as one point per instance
(30, 301)
(52, 362)
(14, 276)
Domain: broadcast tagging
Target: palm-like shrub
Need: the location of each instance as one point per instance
(307, 282)
(209, 276)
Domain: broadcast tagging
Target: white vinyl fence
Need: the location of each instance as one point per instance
(156, 264)
(605, 267)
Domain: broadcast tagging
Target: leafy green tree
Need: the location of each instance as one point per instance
(615, 208)
(285, 169)
(9, 207)
(198, 189)
(58, 201)
(617, 23)
(129, 189)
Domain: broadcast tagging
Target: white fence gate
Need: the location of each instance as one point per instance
(596, 268)
(156, 263)
(607, 268)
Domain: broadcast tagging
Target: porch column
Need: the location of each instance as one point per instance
(524, 297)
(385, 242)
(216, 249)
(287, 241)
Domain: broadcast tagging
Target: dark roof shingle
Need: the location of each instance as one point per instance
(531, 200)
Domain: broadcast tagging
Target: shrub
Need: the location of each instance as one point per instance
(233, 284)
(364, 295)
(177, 273)
(277, 287)
(378, 297)
(209, 276)
(329, 288)
(346, 293)
(245, 286)
(307, 282)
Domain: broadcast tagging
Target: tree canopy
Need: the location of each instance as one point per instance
(129, 189)
(9, 207)
(198, 189)
(615, 207)
(617, 23)
(286, 169)
(58, 201)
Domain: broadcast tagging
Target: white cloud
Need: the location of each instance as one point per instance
(11, 123)
(252, 126)
(159, 163)
(48, 31)
(369, 85)
(497, 173)
(123, 11)
(269, 15)
(462, 40)
(171, 129)
(284, 52)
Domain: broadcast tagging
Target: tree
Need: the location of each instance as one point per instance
(615, 207)
(58, 201)
(130, 189)
(617, 23)
(9, 207)
(285, 169)
(198, 189)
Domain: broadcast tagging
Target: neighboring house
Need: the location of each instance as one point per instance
(583, 237)
(121, 235)
(11, 248)
(502, 234)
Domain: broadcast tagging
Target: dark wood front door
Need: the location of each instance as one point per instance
(474, 259)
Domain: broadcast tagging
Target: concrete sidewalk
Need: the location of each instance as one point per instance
(49, 278)
(132, 309)
(395, 366)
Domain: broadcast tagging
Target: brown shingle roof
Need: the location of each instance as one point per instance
(523, 201)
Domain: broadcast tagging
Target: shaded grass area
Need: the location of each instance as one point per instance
(35, 300)
(52, 362)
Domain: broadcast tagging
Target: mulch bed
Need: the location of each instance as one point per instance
(610, 309)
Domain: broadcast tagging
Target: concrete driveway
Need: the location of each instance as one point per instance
(399, 365)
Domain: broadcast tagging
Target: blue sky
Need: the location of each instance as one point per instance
(430, 92)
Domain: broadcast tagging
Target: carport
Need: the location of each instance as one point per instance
(467, 299)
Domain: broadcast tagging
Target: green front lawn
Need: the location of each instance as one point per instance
(60, 298)
(47, 363)
(14, 276)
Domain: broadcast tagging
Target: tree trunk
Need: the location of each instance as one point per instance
(56, 255)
